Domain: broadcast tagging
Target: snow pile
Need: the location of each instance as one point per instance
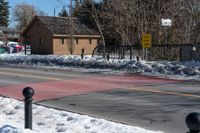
(183, 70)
(48, 120)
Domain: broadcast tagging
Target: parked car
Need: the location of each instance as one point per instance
(15, 45)
(3, 47)
(28, 47)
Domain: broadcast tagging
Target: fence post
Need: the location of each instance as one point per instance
(193, 122)
(28, 93)
(137, 58)
(130, 53)
(82, 53)
(108, 57)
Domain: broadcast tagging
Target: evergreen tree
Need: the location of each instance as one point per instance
(63, 12)
(85, 16)
(4, 13)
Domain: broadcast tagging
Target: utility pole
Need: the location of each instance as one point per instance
(71, 28)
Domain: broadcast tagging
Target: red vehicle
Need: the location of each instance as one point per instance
(15, 45)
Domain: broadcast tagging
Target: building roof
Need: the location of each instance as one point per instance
(61, 26)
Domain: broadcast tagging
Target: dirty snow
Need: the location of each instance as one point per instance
(176, 69)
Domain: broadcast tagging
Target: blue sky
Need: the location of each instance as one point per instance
(44, 5)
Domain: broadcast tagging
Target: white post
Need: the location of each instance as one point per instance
(143, 53)
(146, 54)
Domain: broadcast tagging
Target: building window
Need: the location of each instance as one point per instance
(76, 40)
(62, 40)
(90, 40)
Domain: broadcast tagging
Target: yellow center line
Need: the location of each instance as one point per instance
(166, 92)
(30, 76)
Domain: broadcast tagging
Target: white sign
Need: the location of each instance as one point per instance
(166, 22)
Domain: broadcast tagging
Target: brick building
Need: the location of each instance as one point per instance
(55, 35)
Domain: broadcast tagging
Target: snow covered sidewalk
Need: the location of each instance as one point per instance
(48, 120)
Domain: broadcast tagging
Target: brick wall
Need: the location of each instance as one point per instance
(43, 42)
(62, 45)
(40, 38)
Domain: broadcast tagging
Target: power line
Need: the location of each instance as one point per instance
(71, 27)
(61, 2)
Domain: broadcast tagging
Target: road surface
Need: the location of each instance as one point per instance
(148, 102)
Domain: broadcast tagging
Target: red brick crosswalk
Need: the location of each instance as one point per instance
(61, 88)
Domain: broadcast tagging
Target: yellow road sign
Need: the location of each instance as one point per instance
(146, 40)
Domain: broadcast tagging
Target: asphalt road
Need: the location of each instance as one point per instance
(135, 100)
(155, 107)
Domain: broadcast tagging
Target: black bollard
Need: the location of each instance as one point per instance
(193, 122)
(28, 93)
(108, 57)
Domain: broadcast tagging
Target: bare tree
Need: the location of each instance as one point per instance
(114, 12)
(23, 13)
(130, 18)
(95, 15)
(187, 22)
(96, 19)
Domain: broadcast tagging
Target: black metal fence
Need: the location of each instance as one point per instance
(170, 52)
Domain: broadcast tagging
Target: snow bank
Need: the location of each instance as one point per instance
(183, 70)
(48, 120)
